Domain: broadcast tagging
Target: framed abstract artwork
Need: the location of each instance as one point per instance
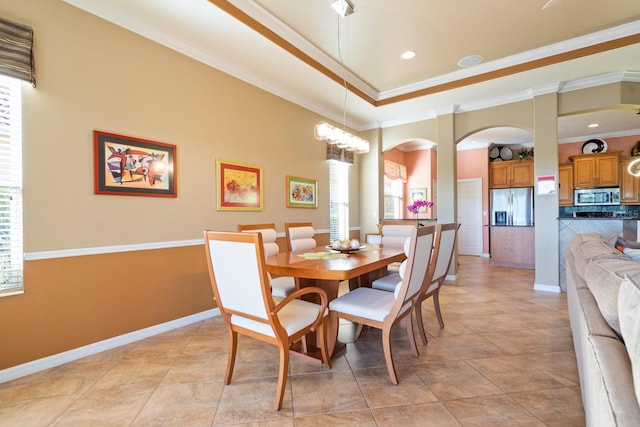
(239, 186)
(129, 166)
(301, 192)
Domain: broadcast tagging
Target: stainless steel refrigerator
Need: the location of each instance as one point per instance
(512, 206)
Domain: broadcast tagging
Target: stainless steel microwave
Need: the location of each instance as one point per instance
(596, 196)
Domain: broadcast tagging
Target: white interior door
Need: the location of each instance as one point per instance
(470, 216)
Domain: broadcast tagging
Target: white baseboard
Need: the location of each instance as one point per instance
(547, 288)
(88, 350)
(485, 256)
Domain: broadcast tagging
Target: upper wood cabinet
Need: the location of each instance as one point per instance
(511, 173)
(565, 185)
(629, 188)
(596, 170)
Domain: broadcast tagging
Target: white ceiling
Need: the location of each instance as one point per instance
(303, 52)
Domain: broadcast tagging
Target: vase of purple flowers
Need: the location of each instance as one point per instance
(419, 205)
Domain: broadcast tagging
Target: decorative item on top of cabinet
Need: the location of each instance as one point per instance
(596, 170)
(635, 151)
(629, 187)
(512, 173)
(565, 184)
(525, 154)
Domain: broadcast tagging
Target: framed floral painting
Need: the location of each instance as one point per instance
(239, 187)
(418, 194)
(301, 192)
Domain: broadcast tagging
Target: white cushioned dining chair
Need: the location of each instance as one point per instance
(299, 236)
(395, 233)
(446, 235)
(241, 288)
(281, 286)
(382, 309)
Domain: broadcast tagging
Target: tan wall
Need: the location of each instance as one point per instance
(94, 75)
(517, 114)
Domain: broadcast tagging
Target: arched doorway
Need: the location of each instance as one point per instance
(409, 170)
(475, 152)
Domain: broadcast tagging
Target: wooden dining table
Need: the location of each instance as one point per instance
(326, 269)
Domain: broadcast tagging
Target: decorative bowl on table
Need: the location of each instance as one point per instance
(345, 246)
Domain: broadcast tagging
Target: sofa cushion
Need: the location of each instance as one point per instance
(629, 314)
(603, 277)
(586, 249)
(612, 368)
(593, 319)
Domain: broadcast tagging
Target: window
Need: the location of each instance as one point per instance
(393, 200)
(10, 187)
(338, 200)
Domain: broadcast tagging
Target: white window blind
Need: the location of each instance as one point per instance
(11, 254)
(393, 189)
(338, 200)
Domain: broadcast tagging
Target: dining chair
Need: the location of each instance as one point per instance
(382, 309)
(240, 283)
(281, 286)
(299, 235)
(445, 242)
(394, 233)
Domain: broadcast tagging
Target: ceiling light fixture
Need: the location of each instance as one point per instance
(470, 61)
(342, 7)
(593, 125)
(408, 54)
(331, 134)
(341, 138)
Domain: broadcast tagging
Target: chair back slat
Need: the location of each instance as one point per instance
(421, 258)
(395, 234)
(445, 242)
(237, 271)
(419, 255)
(300, 236)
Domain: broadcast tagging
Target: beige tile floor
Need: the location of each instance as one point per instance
(505, 357)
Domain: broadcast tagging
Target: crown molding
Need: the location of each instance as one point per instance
(610, 34)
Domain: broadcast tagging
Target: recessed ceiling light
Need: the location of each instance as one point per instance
(593, 125)
(470, 61)
(408, 54)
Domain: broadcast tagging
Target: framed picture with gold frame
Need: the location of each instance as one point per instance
(239, 186)
(301, 192)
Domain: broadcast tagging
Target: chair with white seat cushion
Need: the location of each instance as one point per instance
(395, 233)
(240, 283)
(300, 236)
(281, 286)
(391, 281)
(382, 309)
(446, 235)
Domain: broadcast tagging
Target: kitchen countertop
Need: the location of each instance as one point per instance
(505, 225)
(598, 218)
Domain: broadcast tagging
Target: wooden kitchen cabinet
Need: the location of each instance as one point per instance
(596, 170)
(513, 247)
(565, 185)
(629, 187)
(511, 173)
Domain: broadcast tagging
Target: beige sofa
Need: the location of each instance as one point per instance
(603, 296)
